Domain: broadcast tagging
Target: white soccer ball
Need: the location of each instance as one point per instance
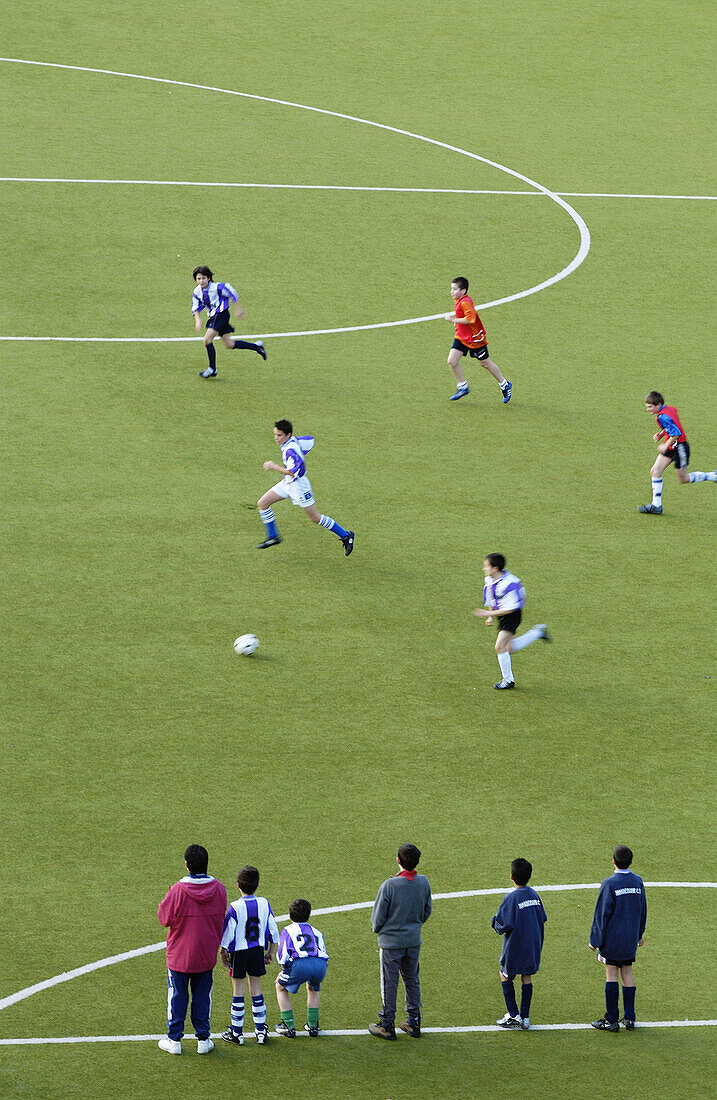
(246, 645)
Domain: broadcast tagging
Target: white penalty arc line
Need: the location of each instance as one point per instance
(100, 964)
(347, 187)
(363, 1032)
(583, 230)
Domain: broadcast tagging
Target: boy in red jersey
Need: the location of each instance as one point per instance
(470, 340)
(673, 448)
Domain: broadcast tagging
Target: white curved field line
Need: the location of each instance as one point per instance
(100, 964)
(583, 230)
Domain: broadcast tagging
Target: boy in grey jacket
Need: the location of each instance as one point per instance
(402, 905)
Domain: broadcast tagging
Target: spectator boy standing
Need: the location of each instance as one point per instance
(520, 920)
(193, 911)
(402, 905)
(617, 930)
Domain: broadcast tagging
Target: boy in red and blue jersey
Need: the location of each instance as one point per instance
(673, 448)
(470, 340)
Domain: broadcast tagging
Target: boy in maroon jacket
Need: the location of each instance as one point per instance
(193, 911)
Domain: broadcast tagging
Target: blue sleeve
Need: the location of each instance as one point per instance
(667, 424)
(603, 911)
(643, 915)
(504, 919)
(197, 303)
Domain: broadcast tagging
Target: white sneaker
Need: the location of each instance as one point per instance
(261, 1034)
(525, 1023)
(513, 1023)
(204, 1046)
(172, 1046)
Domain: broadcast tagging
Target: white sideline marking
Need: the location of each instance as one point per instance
(88, 968)
(346, 187)
(469, 1029)
(583, 230)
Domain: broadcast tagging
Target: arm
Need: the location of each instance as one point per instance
(165, 911)
(273, 932)
(238, 311)
(279, 469)
(502, 922)
(225, 957)
(197, 315)
(427, 908)
(603, 911)
(381, 906)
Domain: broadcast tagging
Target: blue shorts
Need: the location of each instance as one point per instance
(220, 323)
(295, 973)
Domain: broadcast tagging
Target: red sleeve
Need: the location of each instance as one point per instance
(469, 312)
(165, 912)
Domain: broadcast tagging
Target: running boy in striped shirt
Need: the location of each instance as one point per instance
(470, 340)
(303, 958)
(673, 448)
(248, 943)
(504, 596)
(216, 299)
(296, 486)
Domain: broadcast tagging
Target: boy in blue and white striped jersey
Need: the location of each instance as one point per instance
(248, 943)
(296, 486)
(504, 596)
(303, 958)
(216, 298)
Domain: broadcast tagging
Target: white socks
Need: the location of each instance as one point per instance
(657, 491)
(528, 638)
(505, 665)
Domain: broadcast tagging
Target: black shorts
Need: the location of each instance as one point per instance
(510, 622)
(680, 455)
(220, 322)
(475, 353)
(615, 962)
(249, 962)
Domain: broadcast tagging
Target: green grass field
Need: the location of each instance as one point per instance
(367, 717)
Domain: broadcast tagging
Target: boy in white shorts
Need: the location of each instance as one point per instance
(296, 486)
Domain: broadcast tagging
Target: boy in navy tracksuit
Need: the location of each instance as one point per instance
(618, 926)
(521, 922)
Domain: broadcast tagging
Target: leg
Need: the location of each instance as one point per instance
(201, 1002)
(508, 989)
(287, 1027)
(177, 1001)
(536, 633)
(628, 995)
(236, 1025)
(266, 512)
(258, 1005)
(244, 345)
(493, 369)
(502, 648)
(409, 973)
(389, 961)
(346, 537)
(612, 1013)
(658, 468)
(526, 996)
(211, 370)
(312, 1010)
(454, 362)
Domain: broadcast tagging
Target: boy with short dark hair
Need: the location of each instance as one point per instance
(520, 920)
(471, 340)
(216, 298)
(504, 596)
(403, 904)
(303, 958)
(673, 448)
(248, 943)
(616, 933)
